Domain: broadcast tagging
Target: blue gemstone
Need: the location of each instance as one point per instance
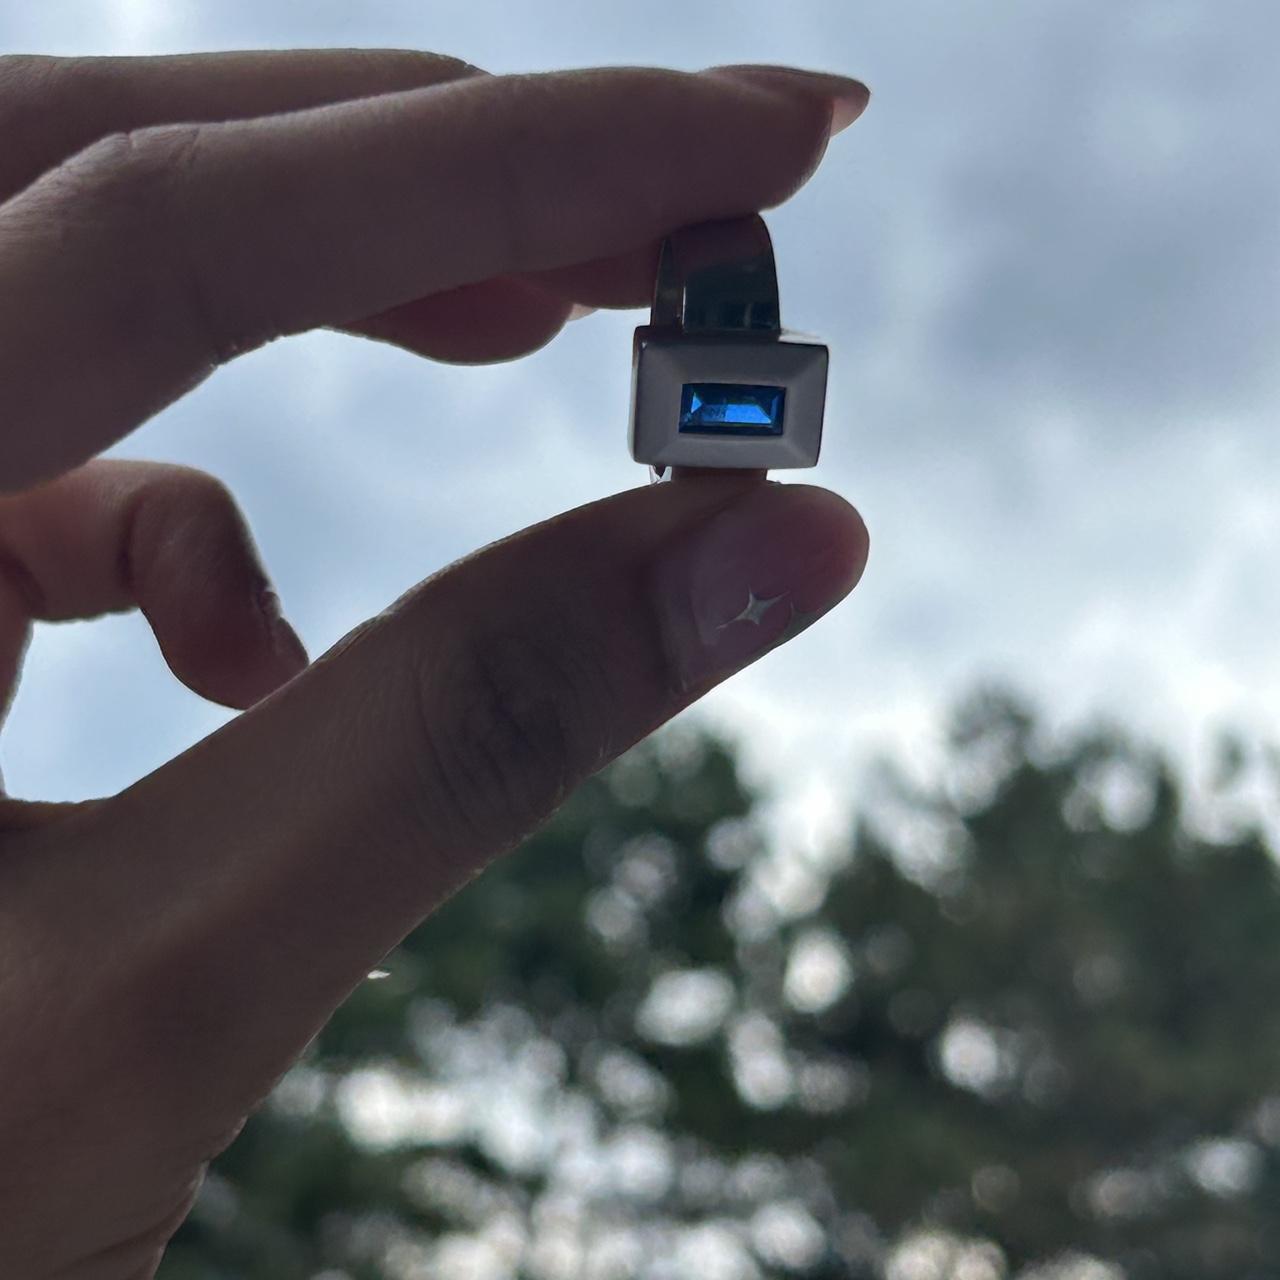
(731, 409)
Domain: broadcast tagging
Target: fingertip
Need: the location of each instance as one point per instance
(242, 665)
(844, 111)
(848, 97)
(256, 656)
(835, 525)
(228, 640)
(751, 576)
(287, 650)
(846, 531)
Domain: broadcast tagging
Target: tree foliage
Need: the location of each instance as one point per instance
(1024, 1023)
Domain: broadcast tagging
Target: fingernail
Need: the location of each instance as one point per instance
(755, 575)
(848, 97)
(284, 639)
(579, 311)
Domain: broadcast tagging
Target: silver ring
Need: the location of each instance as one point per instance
(716, 381)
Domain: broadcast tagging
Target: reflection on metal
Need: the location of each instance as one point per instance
(716, 381)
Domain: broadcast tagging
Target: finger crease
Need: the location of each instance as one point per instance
(127, 558)
(215, 338)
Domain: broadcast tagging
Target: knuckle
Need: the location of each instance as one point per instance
(421, 65)
(510, 724)
(42, 81)
(201, 493)
(134, 188)
(17, 70)
(180, 513)
(184, 495)
(25, 81)
(132, 170)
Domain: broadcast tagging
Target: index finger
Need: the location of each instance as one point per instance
(52, 107)
(152, 257)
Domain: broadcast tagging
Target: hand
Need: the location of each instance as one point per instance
(167, 952)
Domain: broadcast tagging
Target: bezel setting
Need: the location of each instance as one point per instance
(666, 359)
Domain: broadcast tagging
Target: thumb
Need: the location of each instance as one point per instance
(259, 876)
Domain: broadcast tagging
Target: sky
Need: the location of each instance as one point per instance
(1046, 261)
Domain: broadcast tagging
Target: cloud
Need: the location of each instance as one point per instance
(1045, 262)
(1114, 222)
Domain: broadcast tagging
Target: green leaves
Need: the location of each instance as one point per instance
(1031, 1007)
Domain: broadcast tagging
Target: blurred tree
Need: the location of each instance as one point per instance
(1022, 1028)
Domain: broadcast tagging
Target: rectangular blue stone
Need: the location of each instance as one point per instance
(731, 409)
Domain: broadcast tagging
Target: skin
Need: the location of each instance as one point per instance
(166, 953)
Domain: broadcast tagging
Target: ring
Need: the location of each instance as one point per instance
(715, 379)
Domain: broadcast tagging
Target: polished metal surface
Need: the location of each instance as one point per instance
(718, 277)
(716, 320)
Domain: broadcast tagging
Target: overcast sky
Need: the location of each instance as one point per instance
(1046, 261)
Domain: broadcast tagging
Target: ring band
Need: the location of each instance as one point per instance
(717, 277)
